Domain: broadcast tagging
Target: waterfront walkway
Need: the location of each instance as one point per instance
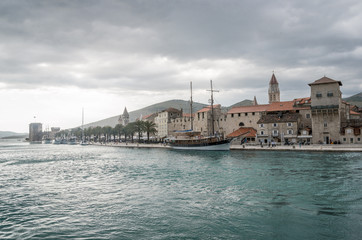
(316, 147)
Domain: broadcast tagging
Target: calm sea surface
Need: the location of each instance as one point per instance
(90, 192)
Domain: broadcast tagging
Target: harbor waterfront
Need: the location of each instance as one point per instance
(93, 192)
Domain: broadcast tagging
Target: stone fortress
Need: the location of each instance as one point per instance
(321, 118)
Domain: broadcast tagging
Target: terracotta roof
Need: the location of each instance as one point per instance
(353, 112)
(278, 118)
(245, 109)
(303, 100)
(325, 80)
(149, 115)
(243, 131)
(273, 80)
(208, 108)
(187, 114)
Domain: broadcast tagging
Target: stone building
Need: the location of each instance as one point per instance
(35, 132)
(203, 121)
(164, 121)
(124, 118)
(327, 110)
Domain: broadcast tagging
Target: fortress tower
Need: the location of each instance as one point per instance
(274, 93)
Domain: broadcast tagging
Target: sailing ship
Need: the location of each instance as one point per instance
(193, 140)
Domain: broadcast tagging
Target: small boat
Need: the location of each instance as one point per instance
(72, 140)
(57, 141)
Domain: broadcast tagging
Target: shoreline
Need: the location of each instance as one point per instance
(314, 148)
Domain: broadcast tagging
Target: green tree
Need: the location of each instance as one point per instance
(119, 130)
(139, 128)
(149, 128)
(129, 130)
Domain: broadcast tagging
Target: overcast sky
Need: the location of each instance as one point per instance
(57, 56)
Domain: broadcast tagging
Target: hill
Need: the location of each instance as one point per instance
(7, 134)
(178, 104)
(355, 99)
(245, 102)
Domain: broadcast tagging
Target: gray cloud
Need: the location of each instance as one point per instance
(151, 45)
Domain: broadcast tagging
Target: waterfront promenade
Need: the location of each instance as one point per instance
(315, 148)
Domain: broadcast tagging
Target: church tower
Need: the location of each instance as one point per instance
(124, 118)
(274, 93)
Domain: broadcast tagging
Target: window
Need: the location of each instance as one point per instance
(275, 132)
(304, 132)
(261, 125)
(232, 115)
(203, 115)
(318, 95)
(349, 131)
(344, 139)
(261, 132)
(290, 132)
(325, 124)
(351, 140)
(239, 114)
(275, 124)
(330, 94)
(246, 114)
(253, 113)
(307, 115)
(358, 139)
(289, 124)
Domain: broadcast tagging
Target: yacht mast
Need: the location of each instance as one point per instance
(82, 124)
(192, 125)
(212, 108)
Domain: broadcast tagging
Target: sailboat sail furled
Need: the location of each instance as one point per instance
(193, 140)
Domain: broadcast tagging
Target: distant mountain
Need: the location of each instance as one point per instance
(245, 102)
(355, 99)
(7, 134)
(178, 104)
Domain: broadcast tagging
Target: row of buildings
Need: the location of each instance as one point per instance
(322, 117)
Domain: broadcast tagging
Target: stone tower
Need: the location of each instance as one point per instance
(274, 93)
(124, 118)
(326, 109)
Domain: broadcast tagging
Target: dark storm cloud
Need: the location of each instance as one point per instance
(152, 45)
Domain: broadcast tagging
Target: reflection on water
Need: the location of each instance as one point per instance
(60, 191)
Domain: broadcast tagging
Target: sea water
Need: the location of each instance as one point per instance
(94, 192)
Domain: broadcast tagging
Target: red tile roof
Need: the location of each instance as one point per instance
(247, 109)
(243, 131)
(353, 112)
(208, 108)
(325, 80)
(272, 107)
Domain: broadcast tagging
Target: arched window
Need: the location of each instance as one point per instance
(241, 124)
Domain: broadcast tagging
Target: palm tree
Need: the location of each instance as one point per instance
(150, 128)
(119, 129)
(139, 128)
(129, 130)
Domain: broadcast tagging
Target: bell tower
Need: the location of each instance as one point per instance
(274, 93)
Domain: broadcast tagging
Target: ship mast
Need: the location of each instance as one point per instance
(212, 107)
(192, 125)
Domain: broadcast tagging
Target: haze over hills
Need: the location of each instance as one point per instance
(178, 104)
(7, 134)
(355, 99)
